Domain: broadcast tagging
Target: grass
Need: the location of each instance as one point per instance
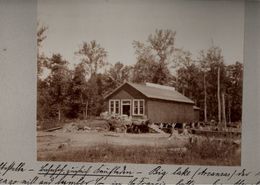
(204, 153)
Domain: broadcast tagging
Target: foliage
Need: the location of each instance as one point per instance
(116, 75)
(79, 92)
(41, 36)
(154, 58)
(234, 89)
(188, 76)
(93, 56)
(58, 82)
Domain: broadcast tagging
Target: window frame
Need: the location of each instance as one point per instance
(114, 107)
(138, 107)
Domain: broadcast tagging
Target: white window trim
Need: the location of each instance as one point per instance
(114, 110)
(138, 105)
(125, 104)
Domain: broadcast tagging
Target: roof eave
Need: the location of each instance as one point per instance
(178, 101)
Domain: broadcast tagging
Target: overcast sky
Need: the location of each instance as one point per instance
(116, 23)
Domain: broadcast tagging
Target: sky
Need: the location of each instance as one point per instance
(115, 24)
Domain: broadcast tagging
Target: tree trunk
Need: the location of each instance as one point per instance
(59, 114)
(224, 110)
(205, 99)
(219, 103)
(82, 106)
(86, 113)
(83, 110)
(229, 110)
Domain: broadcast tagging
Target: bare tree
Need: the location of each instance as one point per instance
(204, 64)
(218, 95)
(224, 109)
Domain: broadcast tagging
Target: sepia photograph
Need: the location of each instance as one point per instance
(140, 81)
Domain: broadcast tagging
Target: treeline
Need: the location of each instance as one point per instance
(78, 93)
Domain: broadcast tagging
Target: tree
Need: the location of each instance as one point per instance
(162, 43)
(234, 84)
(204, 65)
(216, 57)
(144, 71)
(187, 74)
(214, 76)
(77, 92)
(93, 56)
(58, 80)
(119, 73)
(42, 94)
(156, 57)
(41, 36)
(116, 75)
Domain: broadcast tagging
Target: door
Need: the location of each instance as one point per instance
(126, 107)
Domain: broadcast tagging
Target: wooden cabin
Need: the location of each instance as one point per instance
(160, 104)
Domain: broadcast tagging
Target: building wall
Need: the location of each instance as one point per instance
(127, 92)
(196, 114)
(166, 111)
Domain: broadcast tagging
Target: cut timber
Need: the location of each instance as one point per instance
(156, 128)
(53, 129)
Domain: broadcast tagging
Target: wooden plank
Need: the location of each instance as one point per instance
(53, 129)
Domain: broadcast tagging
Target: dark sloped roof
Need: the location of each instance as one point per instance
(163, 94)
(157, 93)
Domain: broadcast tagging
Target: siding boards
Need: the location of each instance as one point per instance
(165, 111)
(196, 115)
(127, 92)
(122, 94)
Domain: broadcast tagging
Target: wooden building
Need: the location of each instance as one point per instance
(196, 113)
(156, 102)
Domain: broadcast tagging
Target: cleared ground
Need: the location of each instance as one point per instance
(95, 145)
(58, 141)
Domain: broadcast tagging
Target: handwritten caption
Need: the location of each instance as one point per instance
(98, 174)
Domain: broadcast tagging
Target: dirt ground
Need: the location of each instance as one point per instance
(91, 141)
(59, 141)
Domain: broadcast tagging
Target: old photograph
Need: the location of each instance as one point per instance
(140, 81)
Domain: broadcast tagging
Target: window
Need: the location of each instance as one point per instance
(138, 107)
(141, 107)
(135, 106)
(117, 107)
(114, 106)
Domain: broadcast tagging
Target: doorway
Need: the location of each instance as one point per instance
(126, 110)
(126, 107)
